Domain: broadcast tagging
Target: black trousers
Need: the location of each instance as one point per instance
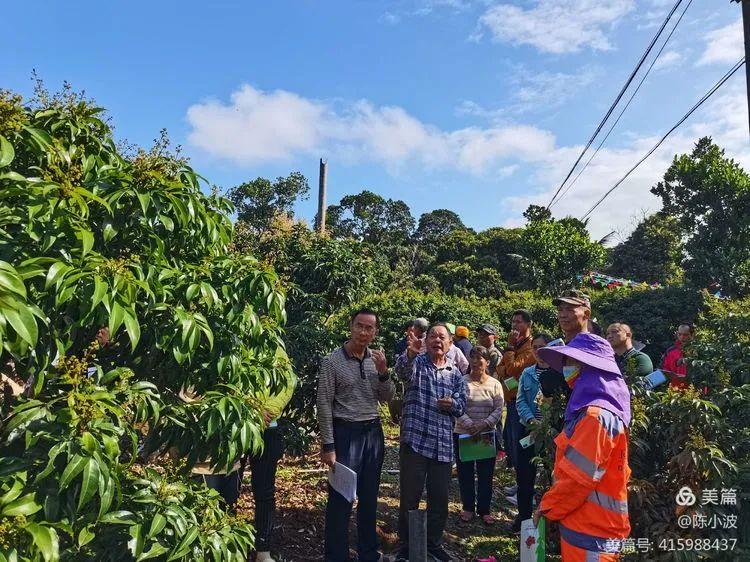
(360, 446)
(512, 432)
(415, 471)
(476, 491)
(525, 477)
(228, 486)
(263, 484)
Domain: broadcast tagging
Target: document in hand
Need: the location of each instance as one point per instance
(476, 447)
(344, 480)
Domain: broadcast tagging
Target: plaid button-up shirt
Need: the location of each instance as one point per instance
(425, 428)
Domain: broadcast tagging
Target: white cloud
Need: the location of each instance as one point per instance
(720, 119)
(257, 126)
(668, 59)
(533, 92)
(390, 18)
(724, 45)
(556, 26)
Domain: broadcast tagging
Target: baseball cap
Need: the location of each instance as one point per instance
(574, 297)
(462, 331)
(489, 328)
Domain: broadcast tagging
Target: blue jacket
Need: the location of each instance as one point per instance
(528, 387)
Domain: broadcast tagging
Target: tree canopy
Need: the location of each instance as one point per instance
(259, 201)
(709, 196)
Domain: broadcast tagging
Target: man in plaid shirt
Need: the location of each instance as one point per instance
(435, 393)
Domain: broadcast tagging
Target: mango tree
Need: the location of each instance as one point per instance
(91, 238)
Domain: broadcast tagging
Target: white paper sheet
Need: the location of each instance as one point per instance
(344, 480)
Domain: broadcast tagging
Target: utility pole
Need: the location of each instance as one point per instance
(320, 219)
(746, 26)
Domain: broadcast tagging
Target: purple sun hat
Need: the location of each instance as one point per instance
(588, 349)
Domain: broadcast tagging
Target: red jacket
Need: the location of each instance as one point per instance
(674, 362)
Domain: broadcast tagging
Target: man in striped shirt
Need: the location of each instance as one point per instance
(353, 379)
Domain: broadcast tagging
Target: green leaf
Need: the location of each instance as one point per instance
(90, 482)
(45, 540)
(14, 491)
(89, 442)
(6, 152)
(23, 323)
(109, 232)
(74, 468)
(156, 549)
(133, 328)
(167, 222)
(119, 517)
(157, 525)
(87, 240)
(184, 545)
(11, 280)
(25, 505)
(55, 273)
(145, 200)
(116, 317)
(135, 545)
(100, 288)
(40, 136)
(106, 496)
(192, 290)
(86, 535)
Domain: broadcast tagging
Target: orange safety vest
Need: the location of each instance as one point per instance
(589, 496)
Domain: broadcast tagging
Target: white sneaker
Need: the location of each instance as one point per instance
(264, 557)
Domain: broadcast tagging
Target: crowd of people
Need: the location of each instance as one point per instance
(455, 390)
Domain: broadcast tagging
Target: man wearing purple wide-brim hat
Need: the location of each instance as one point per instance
(589, 494)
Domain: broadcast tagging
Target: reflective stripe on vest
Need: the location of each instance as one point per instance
(608, 502)
(584, 464)
(590, 542)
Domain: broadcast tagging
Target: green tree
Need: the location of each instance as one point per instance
(371, 218)
(463, 280)
(709, 196)
(436, 225)
(91, 238)
(259, 201)
(552, 252)
(494, 245)
(653, 252)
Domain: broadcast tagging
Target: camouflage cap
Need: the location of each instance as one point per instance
(574, 297)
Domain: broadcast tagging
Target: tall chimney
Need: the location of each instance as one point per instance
(320, 218)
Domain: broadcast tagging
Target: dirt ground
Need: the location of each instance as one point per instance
(301, 498)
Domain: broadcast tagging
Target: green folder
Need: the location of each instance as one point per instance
(511, 383)
(476, 447)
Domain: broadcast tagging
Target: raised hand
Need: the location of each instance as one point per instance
(378, 357)
(513, 337)
(415, 345)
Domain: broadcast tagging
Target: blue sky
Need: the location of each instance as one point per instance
(478, 106)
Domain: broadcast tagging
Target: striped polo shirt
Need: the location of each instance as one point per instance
(349, 389)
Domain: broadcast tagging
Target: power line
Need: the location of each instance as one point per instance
(685, 117)
(619, 97)
(624, 109)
